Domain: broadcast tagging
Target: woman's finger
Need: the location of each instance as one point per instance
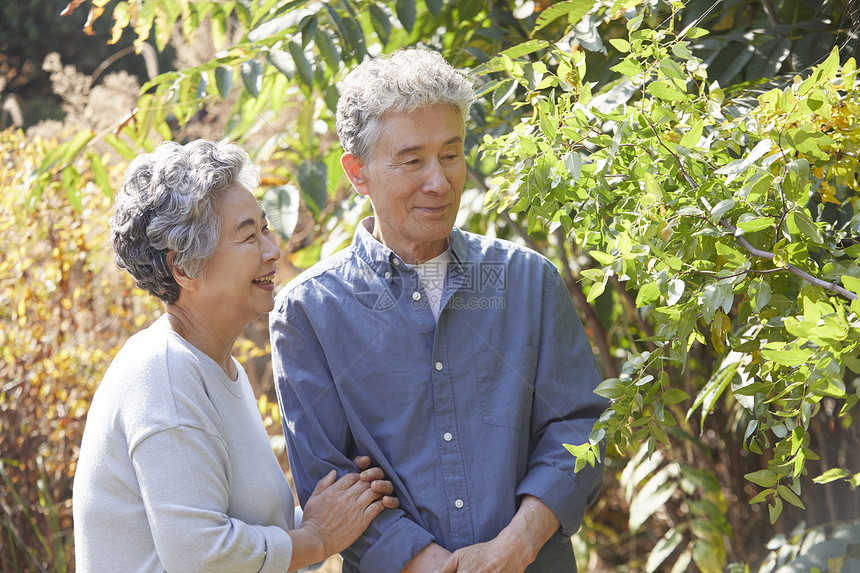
(325, 482)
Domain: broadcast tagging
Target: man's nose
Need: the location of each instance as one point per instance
(436, 181)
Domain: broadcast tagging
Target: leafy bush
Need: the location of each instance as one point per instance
(64, 310)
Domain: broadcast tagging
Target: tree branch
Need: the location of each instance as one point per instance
(789, 267)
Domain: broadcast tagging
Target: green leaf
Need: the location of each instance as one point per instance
(303, 66)
(763, 478)
(851, 283)
(692, 137)
(596, 290)
(547, 124)
(675, 291)
(309, 30)
(720, 209)
(630, 68)
(329, 50)
(434, 7)
(380, 22)
(789, 496)
(774, 510)
(503, 92)
(620, 44)
(601, 257)
(666, 91)
(573, 9)
(830, 66)
(757, 186)
(609, 389)
(224, 80)
(573, 162)
(77, 143)
(759, 294)
(830, 475)
(750, 223)
(356, 38)
(100, 175)
(788, 356)
(283, 62)
(674, 395)
(653, 495)
(794, 185)
(809, 141)
(406, 13)
(281, 205)
(799, 222)
(252, 76)
(667, 544)
(71, 178)
(313, 183)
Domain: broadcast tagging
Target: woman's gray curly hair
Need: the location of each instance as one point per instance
(401, 82)
(168, 203)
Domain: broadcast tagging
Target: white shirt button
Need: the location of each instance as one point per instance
(416, 296)
(388, 274)
(438, 366)
(396, 262)
(447, 436)
(458, 504)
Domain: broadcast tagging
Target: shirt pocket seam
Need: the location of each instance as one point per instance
(500, 407)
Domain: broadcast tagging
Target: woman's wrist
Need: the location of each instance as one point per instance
(309, 546)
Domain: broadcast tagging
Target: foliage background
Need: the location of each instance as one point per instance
(616, 138)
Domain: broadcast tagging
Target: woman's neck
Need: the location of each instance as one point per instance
(206, 337)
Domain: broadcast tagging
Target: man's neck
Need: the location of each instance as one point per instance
(412, 254)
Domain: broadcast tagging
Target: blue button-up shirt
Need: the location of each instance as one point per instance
(464, 415)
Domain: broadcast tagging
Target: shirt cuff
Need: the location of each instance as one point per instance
(396, 547)
(559, 492)
(279, 550)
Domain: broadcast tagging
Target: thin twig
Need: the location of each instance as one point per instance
(788, 266)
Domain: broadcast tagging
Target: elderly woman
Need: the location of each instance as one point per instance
(176, 471)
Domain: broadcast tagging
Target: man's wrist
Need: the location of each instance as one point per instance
(531, 527)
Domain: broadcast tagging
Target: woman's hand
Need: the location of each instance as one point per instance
(338, 511)
(376, 478)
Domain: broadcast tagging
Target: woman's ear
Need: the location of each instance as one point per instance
(356, 170)
(179, 275)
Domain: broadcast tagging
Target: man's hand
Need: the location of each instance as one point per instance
(516, 546)
(490, 557)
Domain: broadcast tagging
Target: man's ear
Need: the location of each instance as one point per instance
(356, 170)
(179, 275)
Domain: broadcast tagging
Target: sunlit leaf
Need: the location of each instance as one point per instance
(313, 184)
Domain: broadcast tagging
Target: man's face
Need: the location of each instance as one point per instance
(414, 180)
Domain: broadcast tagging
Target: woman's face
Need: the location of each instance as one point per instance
(237, 281)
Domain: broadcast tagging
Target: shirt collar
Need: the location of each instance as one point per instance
(382, 259)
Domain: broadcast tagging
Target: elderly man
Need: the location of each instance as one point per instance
(456, 361)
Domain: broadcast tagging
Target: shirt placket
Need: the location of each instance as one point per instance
(458, 503)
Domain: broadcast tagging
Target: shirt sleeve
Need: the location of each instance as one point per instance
(183, 485)
(565, 409)
(319, 438)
